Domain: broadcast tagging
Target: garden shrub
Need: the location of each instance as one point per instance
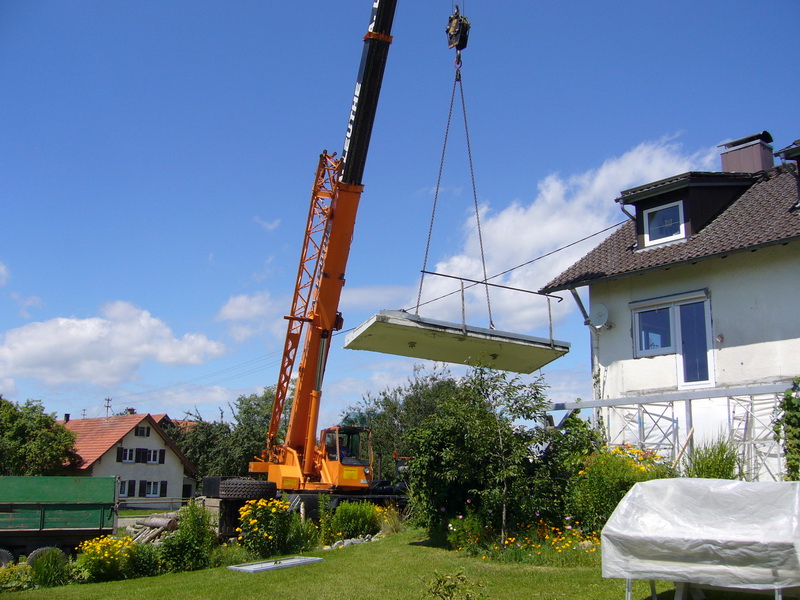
(226, 555)
(103, 558)
(14, 578)
(269, 528)
(189, 548)
(468, 532)
(606, 477)
(351, 520)
(49, 568)
(713, 460)
(143, 561)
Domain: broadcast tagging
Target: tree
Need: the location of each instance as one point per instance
(395, 412)
(223, 447)
(474, 448)
(32, 442)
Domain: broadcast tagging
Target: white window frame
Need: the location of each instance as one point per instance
(152, 457)
(123, 489)
(153, 489)
(128, 455)
(646, 225)
(673, 303)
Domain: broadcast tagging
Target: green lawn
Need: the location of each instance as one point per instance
(396, 567)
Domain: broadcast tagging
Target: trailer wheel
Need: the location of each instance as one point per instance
(6, 558)
(247, 489)
(39, 551)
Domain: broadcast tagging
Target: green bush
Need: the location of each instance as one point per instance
(606, 477)
(390, 518)
(189, 548)
(351, 520)
(468, 533)
(49, 568)
(14, 578)
(226, 555)
(713, 460)
(143, 561)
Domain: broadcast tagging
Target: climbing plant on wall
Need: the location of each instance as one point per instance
(787, 429)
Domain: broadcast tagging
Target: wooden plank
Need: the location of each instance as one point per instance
(405, 334)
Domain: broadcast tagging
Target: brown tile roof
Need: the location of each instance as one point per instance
(765, 214)
(96, 436)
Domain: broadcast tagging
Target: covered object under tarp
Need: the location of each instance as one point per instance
(711, 532)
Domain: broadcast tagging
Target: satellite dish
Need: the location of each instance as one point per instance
(599, 315)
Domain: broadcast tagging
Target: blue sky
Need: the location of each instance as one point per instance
(156, 159)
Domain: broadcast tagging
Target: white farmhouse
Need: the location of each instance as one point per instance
(693, 314)
(151, 471)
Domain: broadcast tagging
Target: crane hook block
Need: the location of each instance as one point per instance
(457, 31)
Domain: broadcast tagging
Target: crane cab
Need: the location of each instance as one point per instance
(346, 457)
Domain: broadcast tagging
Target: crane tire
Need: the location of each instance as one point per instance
(6, 558)
(39, 551)
(247, 489)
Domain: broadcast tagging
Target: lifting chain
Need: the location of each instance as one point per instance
(457, 36)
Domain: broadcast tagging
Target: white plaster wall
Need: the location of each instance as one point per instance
(755, 321)
(171, 471)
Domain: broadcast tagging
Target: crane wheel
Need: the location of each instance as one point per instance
(247, 489)
(6, 558)
(35, 554)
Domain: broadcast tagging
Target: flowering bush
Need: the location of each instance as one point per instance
(104, 558)
(561, 545)
(269, 528)
(607, 476)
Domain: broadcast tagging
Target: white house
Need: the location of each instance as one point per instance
(693, 306)
(152, 471)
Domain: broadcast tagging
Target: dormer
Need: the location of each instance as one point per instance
(675, 209)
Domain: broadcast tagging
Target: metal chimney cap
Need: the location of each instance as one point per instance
(764, 136)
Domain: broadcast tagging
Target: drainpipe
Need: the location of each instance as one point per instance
(594, 347)
(624, 210)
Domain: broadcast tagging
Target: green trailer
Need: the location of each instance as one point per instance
(38, 512)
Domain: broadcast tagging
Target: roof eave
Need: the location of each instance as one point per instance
(586, 281)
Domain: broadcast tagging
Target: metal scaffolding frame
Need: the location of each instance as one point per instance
(649, 423)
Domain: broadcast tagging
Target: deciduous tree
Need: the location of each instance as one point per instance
(32, 442)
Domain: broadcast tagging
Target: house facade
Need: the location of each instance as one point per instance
(692, 309)
(151, 471)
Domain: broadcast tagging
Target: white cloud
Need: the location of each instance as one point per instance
(248, 315)
(368, 297)
(4, 274)
(26, 303)
(268, 225)
(565, 209)
(104, 350)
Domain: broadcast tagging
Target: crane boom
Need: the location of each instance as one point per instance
(321, 275)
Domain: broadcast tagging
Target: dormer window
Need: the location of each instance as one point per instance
(664, 224)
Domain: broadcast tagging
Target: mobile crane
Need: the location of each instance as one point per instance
(341, 461)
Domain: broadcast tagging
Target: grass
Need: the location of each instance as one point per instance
(396, 567)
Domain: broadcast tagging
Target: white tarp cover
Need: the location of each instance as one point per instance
(706, 531)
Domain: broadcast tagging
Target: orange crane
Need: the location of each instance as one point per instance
(340, 459)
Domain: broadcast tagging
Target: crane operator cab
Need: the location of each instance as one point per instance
(348, 456)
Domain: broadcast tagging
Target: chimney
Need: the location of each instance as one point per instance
(66, 418)
(749, 154)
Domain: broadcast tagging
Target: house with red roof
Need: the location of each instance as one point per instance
(152, 472)
(692, 311)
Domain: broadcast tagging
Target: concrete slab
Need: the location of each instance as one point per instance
(269, 565)
(405, 334)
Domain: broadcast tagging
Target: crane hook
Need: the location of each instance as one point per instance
(457, 33)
